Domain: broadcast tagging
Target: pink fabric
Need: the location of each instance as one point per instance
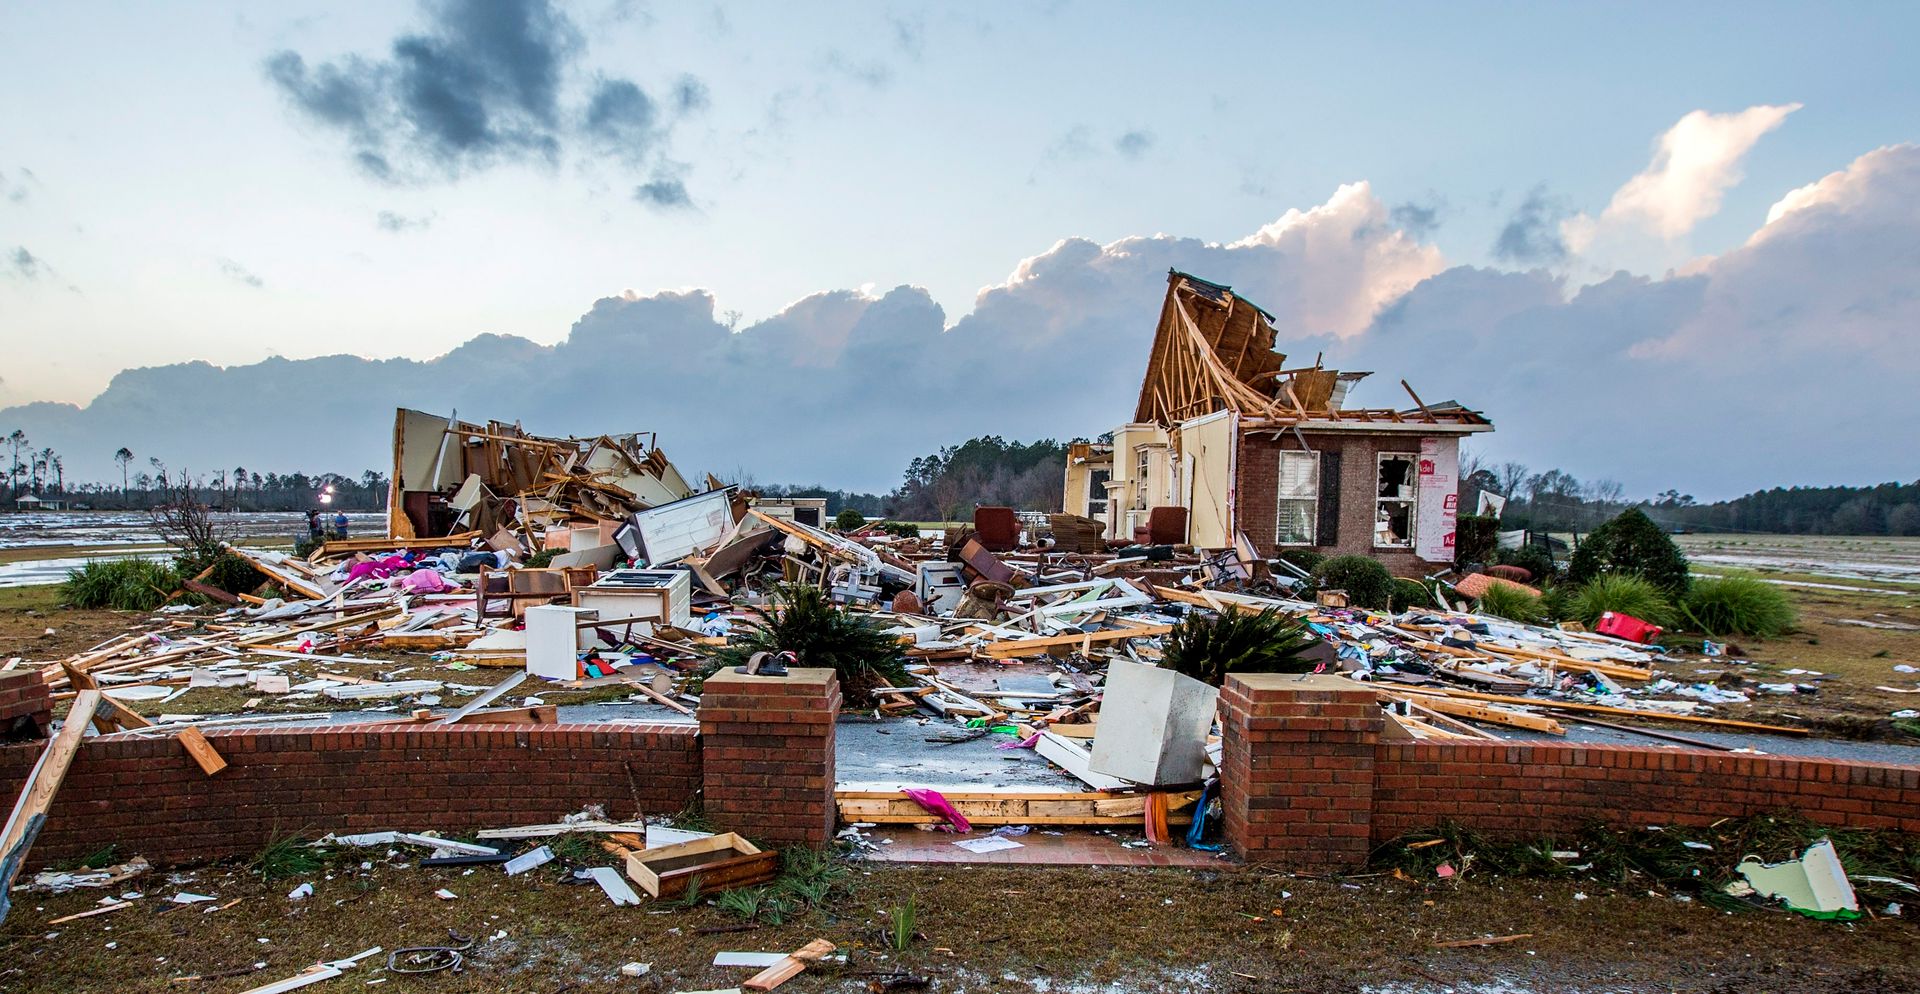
(937, 803)
(426, 581)
(377, 568)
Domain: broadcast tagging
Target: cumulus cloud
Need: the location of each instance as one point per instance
(1134, 144)
(690, 95)
(1531, 235)
(482, 83)
(1694, 164)
(25, 265)
(1814, 312)
(1417, 219)
(240, 274)
(664, 192)
(396, 222)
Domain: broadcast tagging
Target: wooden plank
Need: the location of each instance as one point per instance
(1547, 705)
(1011, 648)
(202, 751)
(541, 714)
(486, 697)
(1494, 716)
(41, 784)
(787, 969)
(657, 696)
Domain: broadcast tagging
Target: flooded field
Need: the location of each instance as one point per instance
(41, 546)
(1843, 557)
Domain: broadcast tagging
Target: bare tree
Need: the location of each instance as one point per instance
(123, 456)
(183, 522)
(1511, 475)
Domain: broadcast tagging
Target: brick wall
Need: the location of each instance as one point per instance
(1256, 493)
(26, 705)
(1525, 791)
(1306, 783)
(768, 751)
(1297, 768)
(145, 794)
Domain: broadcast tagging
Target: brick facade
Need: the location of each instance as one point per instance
(143, 792)
(1306, 782)
(1257, 489)
(1524, 791)
(1297, 768)
(768, 751)
(26, 705)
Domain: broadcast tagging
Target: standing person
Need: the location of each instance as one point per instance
(340, 523)
(313, 525)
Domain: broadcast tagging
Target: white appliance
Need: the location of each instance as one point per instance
(662, 596)
(553, 640)
(1153, 725)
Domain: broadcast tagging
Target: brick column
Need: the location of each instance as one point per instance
(26, 705)
(1296, 777)
(766, 746)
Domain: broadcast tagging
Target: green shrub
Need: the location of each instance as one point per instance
(1475, 538)
(539, 560)
(1367, 583)
(1737, 604)
(1631, 543)
(822, 635)
(1307, 559)
(1534, 560)
(120, 584)
(304, 547)
(1410, 594)
(1209, 648)
(1511, 603)
(900, 529)
(848, 519)
(230, 572)
(1621, 593)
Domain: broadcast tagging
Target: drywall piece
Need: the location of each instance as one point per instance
(1815, 884)
(553, 640)
(671, 532)
(660, 836)
(755, 960)
(1072, 757)
(527, 861)
(598, 557)
(374, 691)
(1153, 725)
(617, 889)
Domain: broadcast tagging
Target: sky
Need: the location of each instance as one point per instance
(1622, 230)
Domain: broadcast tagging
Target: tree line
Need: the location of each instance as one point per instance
(40, 473)
(1554, 500)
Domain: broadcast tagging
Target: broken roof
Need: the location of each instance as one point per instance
(1214, 350)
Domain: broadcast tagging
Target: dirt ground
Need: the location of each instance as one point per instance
(981, 928)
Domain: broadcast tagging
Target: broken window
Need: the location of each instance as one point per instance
(1393, 507)
(1299, 497)
(1142, 458)
(1097, 492)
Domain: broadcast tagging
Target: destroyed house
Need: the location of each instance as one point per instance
(453, 477)
(1227, 440)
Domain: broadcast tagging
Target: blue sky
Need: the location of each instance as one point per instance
(177, 203)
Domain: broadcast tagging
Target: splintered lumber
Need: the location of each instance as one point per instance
(486, 697)
(90, 912)
(658, 697)
(789, 968)
(1491, 940)
(1012, 648)
(1550, 705)
(539, 714)
(889, 807)
(337, 546)
(23, 825)
(1492, 716)
(202, 751)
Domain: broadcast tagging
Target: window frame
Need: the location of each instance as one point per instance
(1142, 468)
(1282, 498)
(1412, 500)
(1098, 486)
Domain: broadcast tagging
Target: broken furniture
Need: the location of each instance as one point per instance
(719, 862)
(660, 596)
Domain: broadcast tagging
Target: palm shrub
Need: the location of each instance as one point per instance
(1366, 581)
(1737, 604)
(1511, 603)
(822, 635)
(120, 584)
(1631, 543)
(1621, 593)
(1209, 648)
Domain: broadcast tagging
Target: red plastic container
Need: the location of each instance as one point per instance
(1626, 626)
